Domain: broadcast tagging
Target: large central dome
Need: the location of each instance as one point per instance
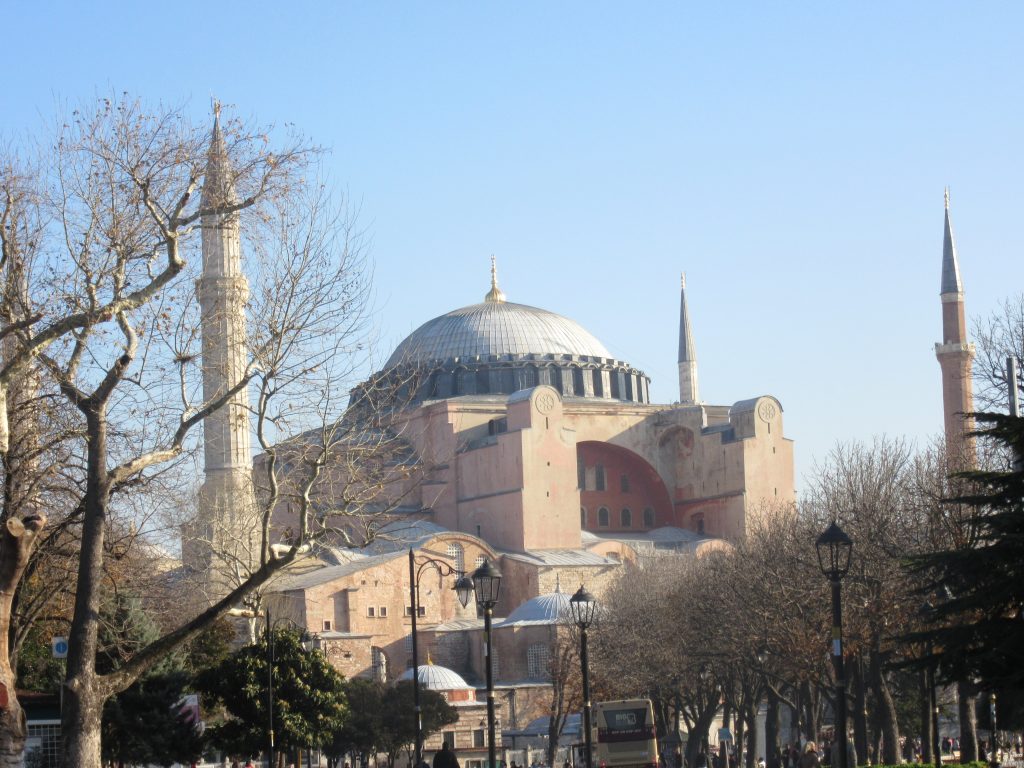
(496, 328)
(497, 348)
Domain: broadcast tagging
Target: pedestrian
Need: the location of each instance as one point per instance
(810, 759)
(445, 758)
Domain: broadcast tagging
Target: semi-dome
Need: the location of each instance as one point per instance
(543, 609)
(436, 678)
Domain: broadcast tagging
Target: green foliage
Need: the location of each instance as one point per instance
(978, 631)
(309, 696)
(37, 669)
(145, 725)
(381, 718)
(212, 646)
(399, 721)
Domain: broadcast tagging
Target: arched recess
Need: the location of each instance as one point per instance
(643, 489)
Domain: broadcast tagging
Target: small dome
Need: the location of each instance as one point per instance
(543, 609)
(437, 678)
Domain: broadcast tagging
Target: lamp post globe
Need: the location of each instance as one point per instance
(834, 550)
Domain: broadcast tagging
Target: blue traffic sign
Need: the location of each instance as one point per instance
(60, 647)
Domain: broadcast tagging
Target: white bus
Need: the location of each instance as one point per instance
(626, 736)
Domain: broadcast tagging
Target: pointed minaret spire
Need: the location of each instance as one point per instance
(950, 263)
(688, 391)
(219, 185)
(494, 295)
(955, 355)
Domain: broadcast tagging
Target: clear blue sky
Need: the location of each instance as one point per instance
(790, 157)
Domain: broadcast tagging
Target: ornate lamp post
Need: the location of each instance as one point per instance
(485, 582)
(307, 645)
(834, 548)
(444, 569)
(584, 607)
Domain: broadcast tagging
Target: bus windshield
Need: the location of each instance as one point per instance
(625, 733)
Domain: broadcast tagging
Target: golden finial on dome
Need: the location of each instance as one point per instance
(495, 293)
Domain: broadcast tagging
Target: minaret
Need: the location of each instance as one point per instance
(227, 497)
(955, 355)
(688, 393)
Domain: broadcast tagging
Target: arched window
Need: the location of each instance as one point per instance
(602, 517)
(626, 518)
(583, 517)
(478, 562)
(577, 381)
(380, 665)
(530, 377)
(507, 376)
(537, 657)
(648, 517)
(457, 555)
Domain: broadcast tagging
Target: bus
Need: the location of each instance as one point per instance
(626, 735)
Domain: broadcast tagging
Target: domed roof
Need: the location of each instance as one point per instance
(543, 609)
(437, 678)
(495, 327)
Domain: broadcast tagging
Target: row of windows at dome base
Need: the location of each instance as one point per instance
(604, 381)
(625, 517)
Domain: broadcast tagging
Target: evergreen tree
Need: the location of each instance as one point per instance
(145, 723)
(976, 628)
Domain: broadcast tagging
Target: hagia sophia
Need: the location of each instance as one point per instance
(546, 458)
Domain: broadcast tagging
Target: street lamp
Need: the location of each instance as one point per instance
(834, 548)
(584, 607)
(485, 583)
(308, 644)
(444, 569)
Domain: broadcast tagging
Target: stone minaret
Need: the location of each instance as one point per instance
(688, 393)
(955, 355)
(227, 498)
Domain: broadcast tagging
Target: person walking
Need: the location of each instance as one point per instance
(445, 757)
(810, 759)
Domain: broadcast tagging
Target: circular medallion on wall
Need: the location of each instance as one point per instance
(766, 410)
(545, 402)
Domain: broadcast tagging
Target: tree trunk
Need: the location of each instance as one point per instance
(16, 540)
(926, 721)
(699, 735)
(771, 730)
(83, 695)
(968, 716)
(886, 709)
(751, 718)
(860, 710)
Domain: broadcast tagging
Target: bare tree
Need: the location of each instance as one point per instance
(112, 320)
(998, 336)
